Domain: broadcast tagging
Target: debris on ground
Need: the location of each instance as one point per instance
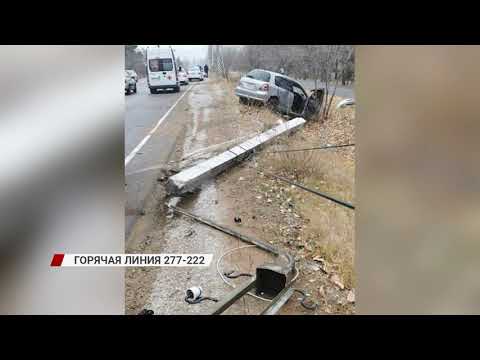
(194, 296)
(146, 312)
(335, 279)
(351, 296)
(346, 102)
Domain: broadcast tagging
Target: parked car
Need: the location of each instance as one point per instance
(183, 77)
(130, 84)
(162, 71)
(201, 70)
(133, 74)
(195, 73)
(279, 92)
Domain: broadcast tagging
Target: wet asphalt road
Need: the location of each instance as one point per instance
(142, 113)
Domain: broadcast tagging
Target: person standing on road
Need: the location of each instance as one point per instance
(205, 70)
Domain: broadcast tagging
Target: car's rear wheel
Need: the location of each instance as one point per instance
(243, 100)
(153, 91)
(273, 104)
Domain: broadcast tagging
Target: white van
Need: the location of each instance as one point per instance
(162, 70)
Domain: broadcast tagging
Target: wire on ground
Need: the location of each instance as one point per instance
(313, 148)
(328, 197)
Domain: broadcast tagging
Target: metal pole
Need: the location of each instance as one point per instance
(249, 240)
(280, 300)
(233, 296)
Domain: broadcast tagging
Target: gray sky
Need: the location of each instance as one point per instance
(190, 52)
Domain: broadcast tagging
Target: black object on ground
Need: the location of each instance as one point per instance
(146, 312)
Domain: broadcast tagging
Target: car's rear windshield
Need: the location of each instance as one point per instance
(160, 64)
(259, 75)
(194, 69)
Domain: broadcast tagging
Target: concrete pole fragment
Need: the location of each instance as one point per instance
(191, 178)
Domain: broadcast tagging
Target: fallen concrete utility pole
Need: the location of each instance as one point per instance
(191, 178)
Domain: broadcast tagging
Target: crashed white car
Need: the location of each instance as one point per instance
(279, 92)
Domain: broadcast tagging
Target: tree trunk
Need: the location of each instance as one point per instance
(331, 100)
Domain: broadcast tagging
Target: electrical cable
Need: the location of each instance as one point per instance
(313, 148)
(328, 197)
(302, 302)
(231, 276)
(199, 300)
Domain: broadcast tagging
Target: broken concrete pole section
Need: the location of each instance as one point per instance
(191, 178)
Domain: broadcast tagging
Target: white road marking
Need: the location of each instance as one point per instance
(146, 138)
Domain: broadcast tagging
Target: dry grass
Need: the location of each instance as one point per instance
(330, 230)
(300, 164)
(329, 234)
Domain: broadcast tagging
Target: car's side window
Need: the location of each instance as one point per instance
(259, 75)
(282, 83)
(298, 89)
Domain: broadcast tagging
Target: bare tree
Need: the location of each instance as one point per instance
(332, 60)
(230, 60)
(135, 59)
(254, 55)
